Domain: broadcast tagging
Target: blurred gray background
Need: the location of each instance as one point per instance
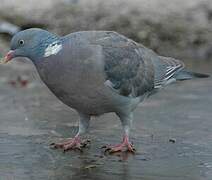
(172, 129)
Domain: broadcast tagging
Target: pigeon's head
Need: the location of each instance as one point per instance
(32, 43)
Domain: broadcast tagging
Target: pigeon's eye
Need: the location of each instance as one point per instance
(21, 42)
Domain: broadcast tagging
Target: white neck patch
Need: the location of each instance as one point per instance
(52, 49)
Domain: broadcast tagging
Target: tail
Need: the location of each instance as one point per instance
(185, 75)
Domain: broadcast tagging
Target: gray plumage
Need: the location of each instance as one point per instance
(97, 72)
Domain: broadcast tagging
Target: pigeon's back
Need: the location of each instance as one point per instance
(128, 67)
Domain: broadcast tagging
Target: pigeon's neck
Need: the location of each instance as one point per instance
(48, 47)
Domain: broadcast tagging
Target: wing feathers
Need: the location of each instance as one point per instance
(165, 69)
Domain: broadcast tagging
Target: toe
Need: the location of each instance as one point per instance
(57, 145)
(130, 148)
(114, 150)
(117, 148)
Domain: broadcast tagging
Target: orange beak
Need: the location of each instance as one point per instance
(9, 56)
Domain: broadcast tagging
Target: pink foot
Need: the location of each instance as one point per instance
(71, 143)
(124, 146)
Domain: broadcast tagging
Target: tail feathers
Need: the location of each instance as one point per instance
(185, 75)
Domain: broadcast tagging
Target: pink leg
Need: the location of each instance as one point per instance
(71, 143)
(124, 146)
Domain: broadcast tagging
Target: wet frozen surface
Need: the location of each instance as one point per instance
(31, 118)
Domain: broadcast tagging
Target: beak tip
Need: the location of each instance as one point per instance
(9, 56)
